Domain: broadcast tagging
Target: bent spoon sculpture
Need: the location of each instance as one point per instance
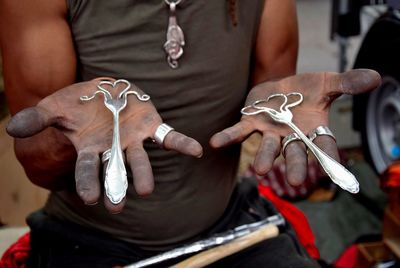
(115, 182)
(338, 173)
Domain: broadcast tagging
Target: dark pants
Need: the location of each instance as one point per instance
(61, 244)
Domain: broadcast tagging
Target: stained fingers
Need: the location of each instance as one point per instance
(296, 156)
(231, 135)
(296, 162)
(87, 177)
(353, 82)
(30, 121)
(183, 144)
(269, 149)
(142, 173)
(328, 145)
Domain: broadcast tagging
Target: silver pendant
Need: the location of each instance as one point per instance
(175, 37)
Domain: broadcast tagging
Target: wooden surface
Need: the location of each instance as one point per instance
(391, 231)
(214, 254)
(370, 254)
(18, 196)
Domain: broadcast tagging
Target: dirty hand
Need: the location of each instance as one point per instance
(319, 91)
(89, 126)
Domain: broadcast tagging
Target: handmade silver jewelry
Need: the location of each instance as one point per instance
(288, 139)
(175, 37)
(321, 131)
(115, 182)
(105, 156)
(338, 173)
(161, 132)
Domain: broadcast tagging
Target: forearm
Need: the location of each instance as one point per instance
(38, 56)
(277, 42)
(38, 59)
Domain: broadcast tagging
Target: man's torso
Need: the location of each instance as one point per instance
(124, 39)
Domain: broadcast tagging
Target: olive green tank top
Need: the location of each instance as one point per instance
(124, 39)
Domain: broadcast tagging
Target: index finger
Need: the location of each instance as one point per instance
(231, 135)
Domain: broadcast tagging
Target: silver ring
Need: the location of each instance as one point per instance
(321, 131)
(288, 139)
(177, 2)
(106, 156)
(161, 132)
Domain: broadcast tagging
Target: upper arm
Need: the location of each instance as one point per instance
(37, 50)
(277, 41)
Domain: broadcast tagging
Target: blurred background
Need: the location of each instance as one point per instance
(335, 35)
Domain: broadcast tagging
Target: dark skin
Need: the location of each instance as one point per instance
(319, 91)
(37, 34)
(87, 126)
(59, 141)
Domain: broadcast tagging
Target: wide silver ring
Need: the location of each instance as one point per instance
(321, 131)
(161, 132)
(288, 139)
(106, 156)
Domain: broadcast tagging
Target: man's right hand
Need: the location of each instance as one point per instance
(88, 126)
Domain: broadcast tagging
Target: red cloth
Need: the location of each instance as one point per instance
(276, 179)
(392, 176)
(295, 217)
(348, 259)
(17, 254)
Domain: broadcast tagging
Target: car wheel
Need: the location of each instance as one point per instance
(381, 131)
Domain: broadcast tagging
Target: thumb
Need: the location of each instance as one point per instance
(29, 122)
(357, 81)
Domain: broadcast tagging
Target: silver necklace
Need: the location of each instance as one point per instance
(175, 37)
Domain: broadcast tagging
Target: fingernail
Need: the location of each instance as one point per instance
(115, 212)
(91, 204)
